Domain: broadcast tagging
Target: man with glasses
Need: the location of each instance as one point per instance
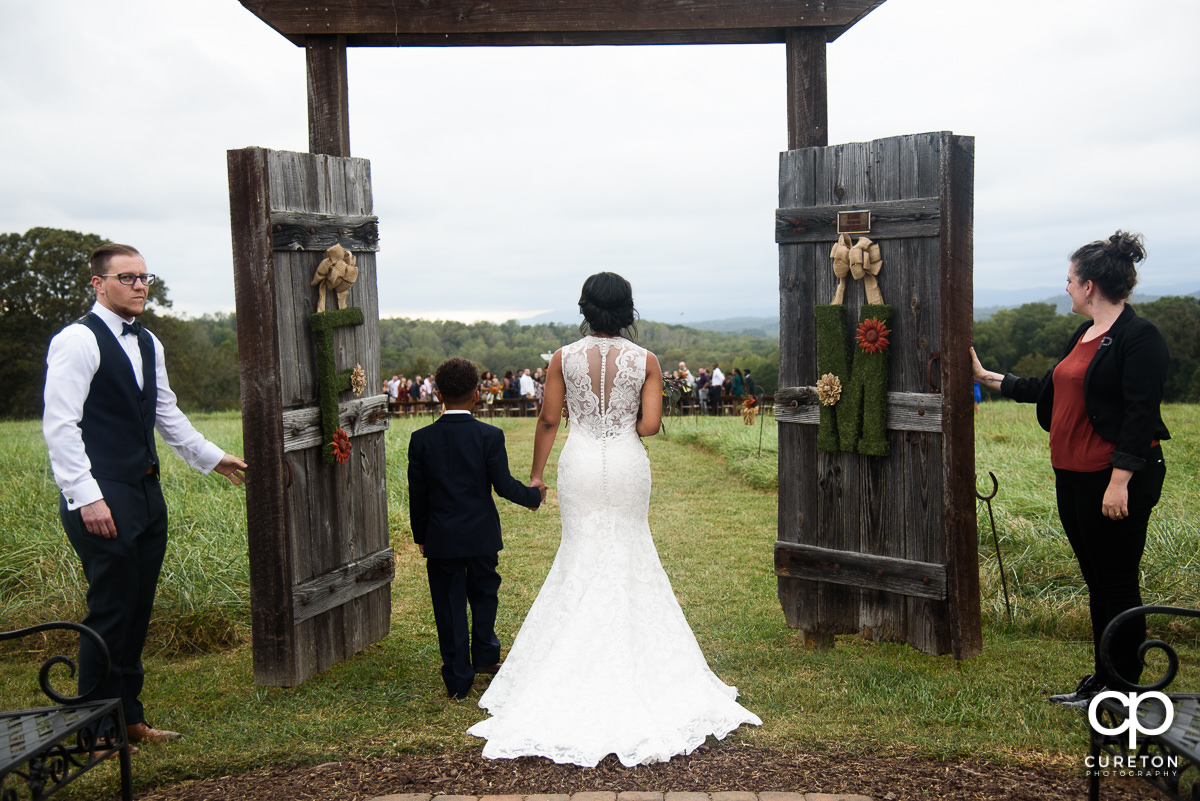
(106, 394)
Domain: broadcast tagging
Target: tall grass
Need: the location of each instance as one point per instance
(203, 594)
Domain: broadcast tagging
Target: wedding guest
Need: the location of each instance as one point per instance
(702, 383)
(739, 388)
(1101, 404)
(453, 466)
(715, 388)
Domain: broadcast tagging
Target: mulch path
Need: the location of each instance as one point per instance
(710, 768)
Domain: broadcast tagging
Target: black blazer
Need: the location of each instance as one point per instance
(1123, 388)
(453, 465)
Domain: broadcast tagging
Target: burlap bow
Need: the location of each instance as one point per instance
(337, 273)
(862, 261)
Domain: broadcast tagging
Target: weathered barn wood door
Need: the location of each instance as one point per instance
(883, 545)
(320, 565)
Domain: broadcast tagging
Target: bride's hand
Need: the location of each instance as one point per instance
(540, 486)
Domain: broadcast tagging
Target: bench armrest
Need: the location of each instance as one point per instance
(44, 672)
(1172, 658)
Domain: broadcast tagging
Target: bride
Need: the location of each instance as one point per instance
(605, 662)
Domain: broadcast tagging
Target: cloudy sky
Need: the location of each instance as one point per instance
(503, 177)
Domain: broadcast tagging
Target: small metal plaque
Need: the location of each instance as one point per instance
(854, 222)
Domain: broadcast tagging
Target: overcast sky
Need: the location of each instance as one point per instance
(503, 177)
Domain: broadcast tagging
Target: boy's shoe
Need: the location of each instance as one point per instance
(1089, 687)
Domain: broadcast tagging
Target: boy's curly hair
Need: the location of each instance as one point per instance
(457, 379)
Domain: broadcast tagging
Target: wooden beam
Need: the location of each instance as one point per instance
(888, 573)
(807, 92)
(266, 516)
(340, 586)
(302, 427)
(906, 411)
(328, 95)
(533, 22)
(303, 230)
(890, 219)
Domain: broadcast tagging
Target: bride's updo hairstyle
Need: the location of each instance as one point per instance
(607, 306)
(1109, 263)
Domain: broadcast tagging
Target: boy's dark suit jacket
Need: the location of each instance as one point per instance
(453, 465)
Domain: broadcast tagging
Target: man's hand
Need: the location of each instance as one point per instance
(97, 519)
(232, 468)
(540, 486)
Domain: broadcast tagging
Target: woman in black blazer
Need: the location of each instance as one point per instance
(1101, 404)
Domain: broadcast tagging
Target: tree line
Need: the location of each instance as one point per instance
(416, 347)
(45, 285)
(1029, 339)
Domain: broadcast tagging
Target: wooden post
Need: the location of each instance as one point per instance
(328, 95)
(808, 95)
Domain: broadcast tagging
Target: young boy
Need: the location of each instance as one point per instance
(453, 465)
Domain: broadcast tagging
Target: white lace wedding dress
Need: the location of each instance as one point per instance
(605, 662)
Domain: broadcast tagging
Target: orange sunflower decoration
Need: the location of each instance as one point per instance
(341, 446)
(872, 335)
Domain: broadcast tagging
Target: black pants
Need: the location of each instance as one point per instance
(455, 584)
(122, 576)
(1110, 552)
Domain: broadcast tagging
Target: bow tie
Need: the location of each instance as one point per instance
(134, 328)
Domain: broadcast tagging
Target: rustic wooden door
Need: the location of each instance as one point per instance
(884, 545)
(320, 564)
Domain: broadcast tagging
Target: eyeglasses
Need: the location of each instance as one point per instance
(130, 279)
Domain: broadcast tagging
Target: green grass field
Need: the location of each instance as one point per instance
(713, 514)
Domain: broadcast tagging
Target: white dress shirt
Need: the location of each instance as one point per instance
(718, 378)
(73, 360)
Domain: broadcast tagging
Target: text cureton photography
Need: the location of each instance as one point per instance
(1136, 762)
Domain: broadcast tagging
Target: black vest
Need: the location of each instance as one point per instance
(118, 417)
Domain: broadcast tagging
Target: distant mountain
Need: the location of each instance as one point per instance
(987, 303)
(765, 327)
(1012, 298)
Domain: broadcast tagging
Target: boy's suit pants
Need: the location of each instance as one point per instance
(455, 584)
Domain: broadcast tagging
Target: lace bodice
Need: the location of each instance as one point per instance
(604, 377)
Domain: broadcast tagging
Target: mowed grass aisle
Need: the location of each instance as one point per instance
(713, 514)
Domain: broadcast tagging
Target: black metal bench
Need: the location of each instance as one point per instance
(46, 749)
(1144, 731)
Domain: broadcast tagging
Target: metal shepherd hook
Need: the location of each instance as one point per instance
(988, 500)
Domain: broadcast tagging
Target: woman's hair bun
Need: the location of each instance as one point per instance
(1127, 246)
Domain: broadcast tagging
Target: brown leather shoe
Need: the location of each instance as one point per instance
(489, 668)
(133, 749)
(142, 732)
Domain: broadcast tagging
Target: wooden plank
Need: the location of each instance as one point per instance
(343, 584)
(882, 616)
(532, 22)
(856, 569)
(254, 282)
(840, 176)
(894, 219)
(328, 93)
(928, 621)
(807, 89)
(302, 427)
(797, 519)
(958, 464)
(294, 230)
(907, 411)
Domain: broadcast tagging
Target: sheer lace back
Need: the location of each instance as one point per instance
(604, 377)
